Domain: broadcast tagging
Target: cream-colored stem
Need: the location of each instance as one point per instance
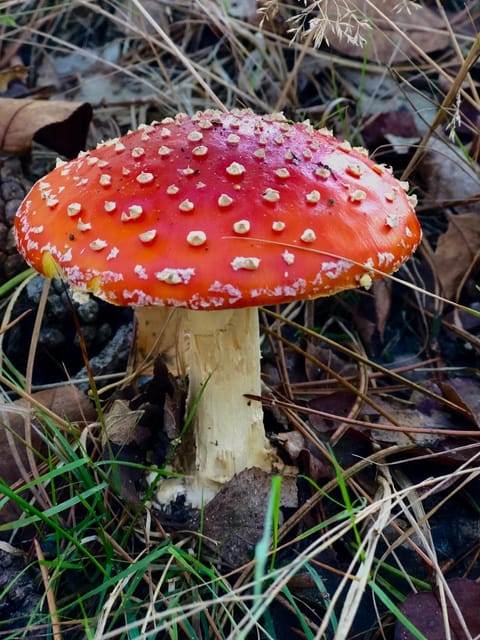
(220, 353)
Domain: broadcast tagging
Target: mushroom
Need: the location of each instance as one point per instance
(212, 216)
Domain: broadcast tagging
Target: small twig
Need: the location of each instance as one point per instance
(274, 402)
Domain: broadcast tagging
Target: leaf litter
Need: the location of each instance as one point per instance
(317, 395)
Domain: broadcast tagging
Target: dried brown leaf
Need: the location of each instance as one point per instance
(121, 422)
(458, 249)
(464, 393)
(384, 44)
(432, 417)
(64, 401)
(395, 130)
(119, 445)
(235, 517)
(466, 594)
(337, 402)
(447, 175)
(61, 126)
(303, 455)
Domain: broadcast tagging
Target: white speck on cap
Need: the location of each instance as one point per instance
(233, 139)
(145, 177)
(83, 226)
(241, 226)
(357, 196)
(141, 271)
(248, 263)
(186, 205)
(200, 151)
(313, 197)
(271, 195)
(147, 236)
(308, 235)
(175, 276)
(134, 212)
(98, 244)
(391, 220)
(195, 136)
(105, 180)
(224, 200)
(74, 209)
(288, 257)
(235, 169)
(196, 238)
(113, 253)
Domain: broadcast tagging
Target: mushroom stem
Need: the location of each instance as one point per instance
(220, 353)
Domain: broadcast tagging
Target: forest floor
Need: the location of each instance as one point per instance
(370, 396)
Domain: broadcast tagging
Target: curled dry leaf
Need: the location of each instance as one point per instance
(419, 30)
(119, 445)
(120, 422)
(303, 455)
(61, 126)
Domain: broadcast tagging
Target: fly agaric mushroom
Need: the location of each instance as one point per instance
(215, 215)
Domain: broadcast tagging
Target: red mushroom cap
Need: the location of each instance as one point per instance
(218, 210)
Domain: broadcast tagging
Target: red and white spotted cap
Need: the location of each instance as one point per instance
(218, 210)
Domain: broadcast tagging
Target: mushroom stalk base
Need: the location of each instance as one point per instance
(219, 351)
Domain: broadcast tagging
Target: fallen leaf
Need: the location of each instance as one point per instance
(392, 129)
(431, 417)
(323, 359)
(336, 402)
(303, 455)
(464, 393)
(235, 517)
(65, 401)
(385, 44)
(120, 423)
(143, 428)
(457, 251)
(120, 447)
(61, 126)
(466, 594)
(447, 176)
